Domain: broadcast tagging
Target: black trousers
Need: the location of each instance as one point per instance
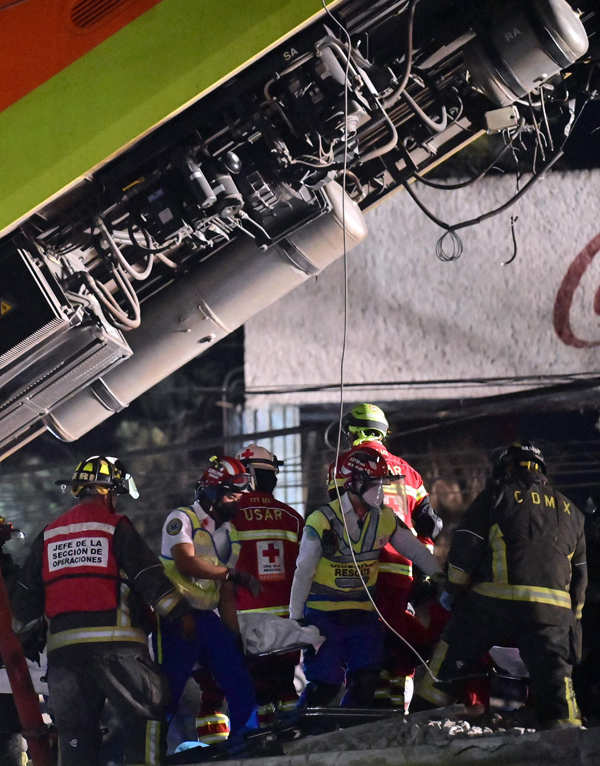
(546, 650)
(10, 740)
(81, 681)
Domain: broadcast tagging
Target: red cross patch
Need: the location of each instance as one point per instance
(271, 562)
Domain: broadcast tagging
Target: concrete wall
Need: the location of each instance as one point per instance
(413, 317)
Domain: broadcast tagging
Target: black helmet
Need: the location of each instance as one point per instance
(521, 454)
(104, 474)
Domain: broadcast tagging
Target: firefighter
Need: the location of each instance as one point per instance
(11, 751)
(199, 551)
(328, 591)
(367, 425)
(92, 575)
(269, 534)
(517, 562)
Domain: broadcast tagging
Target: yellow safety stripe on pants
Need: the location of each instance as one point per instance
(268, 534)
(266, 714)
(499, 562)
(528, 593)
(383, 688)
(159, 646)
(212, 728)
(579, 611)
(287, 705)
(400, 569)
(94, 636)
(152, 743)
(574, 714)
(576, 723)
(425, 687)
(283, 611)
(458, 576)
(217, 719)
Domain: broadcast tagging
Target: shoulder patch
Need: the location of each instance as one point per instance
(174, 527)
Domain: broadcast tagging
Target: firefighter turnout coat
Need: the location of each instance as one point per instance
(524, 545)
(92, 575)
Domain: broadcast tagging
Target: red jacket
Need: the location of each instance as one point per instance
(269, 533)
(79, 568)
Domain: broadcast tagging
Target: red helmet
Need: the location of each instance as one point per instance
(362, 471)
(358, 465)
(224, 475)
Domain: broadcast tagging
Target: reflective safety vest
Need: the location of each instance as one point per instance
(79, 570)
(269, 535)
(336, 584)
(201, 593)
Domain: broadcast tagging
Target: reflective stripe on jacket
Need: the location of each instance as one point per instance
(522, 543)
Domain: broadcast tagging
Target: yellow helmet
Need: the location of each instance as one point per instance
(365, 422)
(105, 474)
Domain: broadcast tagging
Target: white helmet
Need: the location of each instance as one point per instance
(259, 457)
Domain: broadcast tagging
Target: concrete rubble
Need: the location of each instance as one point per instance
(439, 738)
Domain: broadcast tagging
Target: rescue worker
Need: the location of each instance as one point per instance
(11, 751)
(517, 562)
(269, 534)
(367, 425)
(199, 551)
(328, 590)
(92, 576)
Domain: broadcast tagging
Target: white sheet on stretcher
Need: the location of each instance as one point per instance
(264, 632)
(36, 671)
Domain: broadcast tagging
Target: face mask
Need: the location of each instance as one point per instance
(373, 496)
(227, 509)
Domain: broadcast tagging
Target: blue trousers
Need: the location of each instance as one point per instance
(354, 642)
(214, 646)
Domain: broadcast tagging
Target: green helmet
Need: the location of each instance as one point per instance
(365, 422)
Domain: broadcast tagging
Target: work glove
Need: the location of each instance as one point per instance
(446, 600)
(34, 641)
(244, 580)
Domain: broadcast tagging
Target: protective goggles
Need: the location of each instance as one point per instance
(241, 482)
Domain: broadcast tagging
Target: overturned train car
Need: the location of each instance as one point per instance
(117, 270)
